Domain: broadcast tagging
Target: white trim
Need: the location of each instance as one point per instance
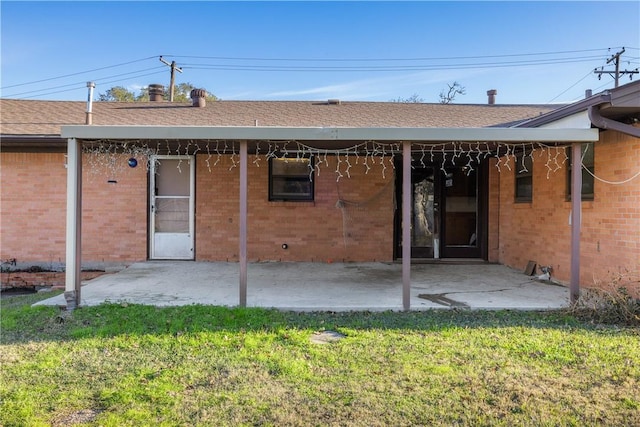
(151, 199)
(575, 121)
(330, 133)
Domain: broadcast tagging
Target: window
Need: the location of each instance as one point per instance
(290, 179)
(524, 178)
(587, 178)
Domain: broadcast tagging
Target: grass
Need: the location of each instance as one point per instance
(132, 365)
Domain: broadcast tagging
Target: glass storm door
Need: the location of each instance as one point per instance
(424, 233)
(447, 212)
(171, 207)
(459, 209)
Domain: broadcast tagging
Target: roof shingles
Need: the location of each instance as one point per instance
(27, 117)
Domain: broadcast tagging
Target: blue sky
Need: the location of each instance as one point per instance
(361, 51)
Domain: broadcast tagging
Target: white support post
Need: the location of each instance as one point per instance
(406, 225)
(74, 224)
(576, 219)
(243, 223)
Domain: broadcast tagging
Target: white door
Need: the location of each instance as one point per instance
(172, 207)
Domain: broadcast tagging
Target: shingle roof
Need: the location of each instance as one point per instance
(28, 117)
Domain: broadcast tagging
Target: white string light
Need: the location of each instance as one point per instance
(107, 154)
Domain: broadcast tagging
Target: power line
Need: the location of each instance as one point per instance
(519, 60)
(76, 74)
(569, 88)
(383, 59)
(239, 67)
(616, 73)
(84, 83)
(83, 87)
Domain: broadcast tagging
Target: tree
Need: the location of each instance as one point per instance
(413, 99)
(121, 94)
(117, 93)
(450, 95)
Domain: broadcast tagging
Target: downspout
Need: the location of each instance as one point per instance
(604, 123)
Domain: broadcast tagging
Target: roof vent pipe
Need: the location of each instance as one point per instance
(156, 93)
(88, 118)
(588, 93)
(492, 96)
(198, 97)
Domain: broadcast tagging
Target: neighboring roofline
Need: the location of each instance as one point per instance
(253, 133)
(566, 111)
(32, 143)
(28, 137)
(626, 96)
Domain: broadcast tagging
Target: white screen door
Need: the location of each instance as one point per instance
(172, 207)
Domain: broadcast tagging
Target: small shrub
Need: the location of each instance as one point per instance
(615, 301)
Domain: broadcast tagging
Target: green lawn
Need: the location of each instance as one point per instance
(120, 365)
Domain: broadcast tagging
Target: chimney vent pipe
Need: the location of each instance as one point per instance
(198, 97)
(156, 93)
(89, 118)
(492, 96)
(588, 93)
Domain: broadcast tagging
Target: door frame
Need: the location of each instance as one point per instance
(481, 251)
(151, 206)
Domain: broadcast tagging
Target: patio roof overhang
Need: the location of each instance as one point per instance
(407, 136)
(252, 133)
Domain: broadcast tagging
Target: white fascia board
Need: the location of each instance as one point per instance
(329, 133)
(576, 121)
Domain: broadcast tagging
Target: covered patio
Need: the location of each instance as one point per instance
(402, 283)
(324, 286)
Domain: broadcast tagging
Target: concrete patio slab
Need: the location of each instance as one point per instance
(322, 287)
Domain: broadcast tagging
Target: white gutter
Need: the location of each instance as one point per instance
(330, 134)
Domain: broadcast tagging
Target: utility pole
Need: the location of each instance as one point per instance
(617, 73)
(172, 85)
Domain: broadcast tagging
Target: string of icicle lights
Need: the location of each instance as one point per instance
(108, 154)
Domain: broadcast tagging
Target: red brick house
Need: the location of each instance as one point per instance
(308, 181)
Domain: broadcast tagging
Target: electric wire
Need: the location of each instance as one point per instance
(398, 67)
(77, 73)
(386, 59)
(586, 148)
(568, 58)
(130, 74)
(611, 182)
(84, 86)
(569, 88)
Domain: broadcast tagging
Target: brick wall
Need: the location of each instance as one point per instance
(540, 231)
(33, 213)
(114, 215)
(313, 231)
(33, 210)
